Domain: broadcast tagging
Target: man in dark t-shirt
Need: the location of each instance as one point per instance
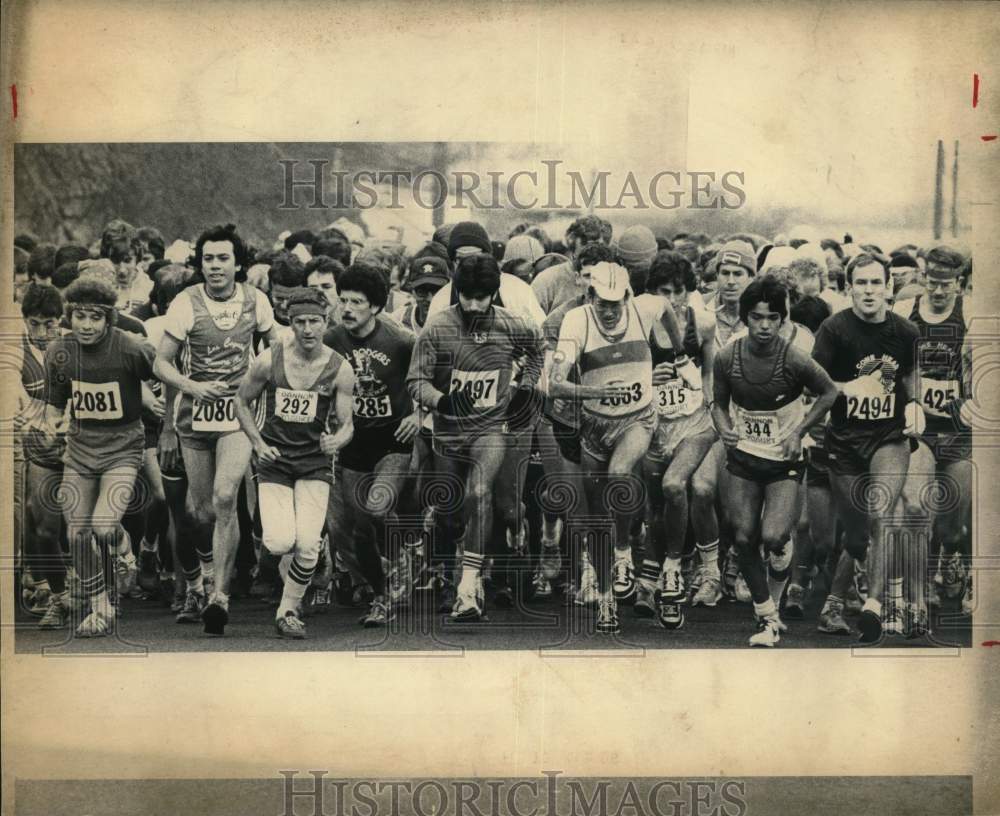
(869, 352)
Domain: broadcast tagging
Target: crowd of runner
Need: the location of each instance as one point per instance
(624, 421)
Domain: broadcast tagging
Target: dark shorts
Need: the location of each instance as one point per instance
(764, 471)
(288, 471)
(850, 454)
(817, 467)
(568, 439)
(949, 446)
(369, 446)
(194, 438)
(92, 452)
(151, 430)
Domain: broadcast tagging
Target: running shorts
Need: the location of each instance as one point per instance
(764, 471)
(670, 433)
(599, 435)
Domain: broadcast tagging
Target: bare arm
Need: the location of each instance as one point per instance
(253, 385)
(344, 411)
(720, 407)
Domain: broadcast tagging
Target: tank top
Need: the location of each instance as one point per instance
(297, 417)
(625, 361)
(33, 381)
(674, 399)
(939, 365)
(765, 412)
(220, 350)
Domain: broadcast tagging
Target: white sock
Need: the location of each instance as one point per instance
(872, 605)
(768, 609)
(671, 564)
(709, 554)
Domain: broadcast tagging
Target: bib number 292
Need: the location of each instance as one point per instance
(219, 415)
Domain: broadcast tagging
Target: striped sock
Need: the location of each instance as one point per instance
(709, 555)
(649, 572)
(472, 563)
(299, 576)
(193, 580)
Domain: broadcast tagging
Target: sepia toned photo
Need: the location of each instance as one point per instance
(499, 409)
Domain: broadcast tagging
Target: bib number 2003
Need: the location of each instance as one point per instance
(219, 415)
(634, 394)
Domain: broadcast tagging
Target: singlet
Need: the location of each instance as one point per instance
(674, 399)
(219, 348)
(939, 365)
(297, 417)
(624, 361)
(765, 411)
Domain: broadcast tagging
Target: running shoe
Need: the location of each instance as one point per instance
(607, 616)
(126, 570)
(587, 594)
(794, 602)
(671, 584)
(953, 576)
(893, 619)
(97, 624)
(215, 616)
(768, 633)
(39, 602)
(542, 587)
(379, 614)
(831, 619)
(645, 599)
(915, 620)
(468, 604)
(669, 612)
(709, 591)
(56, 616)
(290, 626)
(870, 625)
(550, 560)
(194, 605)
(742, 591)
(623, 578)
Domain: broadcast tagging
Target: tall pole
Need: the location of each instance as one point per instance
(938, 197)
(954, 194)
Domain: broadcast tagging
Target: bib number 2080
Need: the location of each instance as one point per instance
(219, 415)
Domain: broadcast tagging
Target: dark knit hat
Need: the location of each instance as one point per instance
(468, 233)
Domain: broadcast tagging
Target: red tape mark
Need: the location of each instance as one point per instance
(13, 99)
(988, 138)
(988, 643)
(975, 90)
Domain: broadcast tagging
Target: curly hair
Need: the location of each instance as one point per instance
(222, 233)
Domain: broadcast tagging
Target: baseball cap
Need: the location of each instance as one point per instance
(737, 253)
(522, 248)
(609, 280)
(428, 270)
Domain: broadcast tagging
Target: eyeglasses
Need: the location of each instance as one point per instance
(939, 285)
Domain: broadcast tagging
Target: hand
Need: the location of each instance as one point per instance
(612, 391)
(154, 405)
(208, 391)
(870, 385)
(915, 419)
(688, 372)
(266, 454)
(663, 373)
(168, 450)
(791, 447)
(408, 428)
(730, 436)
(328, 444)
(457, 404)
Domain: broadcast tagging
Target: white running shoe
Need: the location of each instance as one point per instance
(607, 616)
(469, 603)
(671, 584)
(768, 633)
(623, 578)
(126, 571)
(709, 592)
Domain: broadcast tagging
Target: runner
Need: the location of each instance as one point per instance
(98, 371)
(764, 376)
(944, 383)
(869, 353)
(461, 370)
(684, 435)
(608, 339)
(41, 309)
(214, 323)
(428, 275)
(376, 462)
(304, 382)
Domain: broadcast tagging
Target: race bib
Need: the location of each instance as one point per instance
(295, 406)
(101, 401)
(373, 407)
(481, 386)
(871, 409)
(758, 427)
(216, 416)
(630, 397)
(936, 394)
(674, 398)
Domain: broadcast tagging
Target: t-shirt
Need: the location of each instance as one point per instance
(102, 382)
(180, 315)
(477, 358)
(380, 362)
(515, 295)
(555, 285)
(848, 348)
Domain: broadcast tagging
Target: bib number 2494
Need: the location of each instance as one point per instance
(219, 415)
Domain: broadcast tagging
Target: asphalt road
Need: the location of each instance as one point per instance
(543, 624)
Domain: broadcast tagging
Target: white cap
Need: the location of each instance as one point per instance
(610, 281)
